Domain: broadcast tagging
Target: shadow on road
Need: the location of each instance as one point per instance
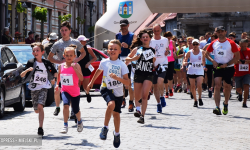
(238, 117)
(161, 127)
(52, 137)
(84, 143)
(173, 114)
(15, 114)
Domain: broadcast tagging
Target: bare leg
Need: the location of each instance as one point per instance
(199, 85)
(217, 87)
(65, 113)
(192, 88)
(146, 87)
(109, 111)
(41, 114)
(117, 121)
(227, 91)
(57, 97)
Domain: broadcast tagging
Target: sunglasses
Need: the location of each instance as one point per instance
(195, 44)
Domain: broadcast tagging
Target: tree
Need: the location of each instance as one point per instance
(64, 17)
(40, 14)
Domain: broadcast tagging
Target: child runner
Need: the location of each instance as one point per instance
(143, 77)
(40, 74)
(69, 73)
(115, 74)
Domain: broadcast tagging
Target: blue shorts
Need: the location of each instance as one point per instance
(74, 101)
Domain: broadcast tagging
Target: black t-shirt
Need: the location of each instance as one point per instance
(6, 39)
(144, 67)
(84, 61)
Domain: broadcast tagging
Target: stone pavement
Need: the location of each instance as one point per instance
(180, 126)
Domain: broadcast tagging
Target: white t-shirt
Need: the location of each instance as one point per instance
(40, 77)
(203, 43)
(160, 47)
(45, 41)
(117, 67)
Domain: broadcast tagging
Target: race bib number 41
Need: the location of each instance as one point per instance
(243, 67)
(112, 83)
(40, 78)
(66, 79)
(148, 54)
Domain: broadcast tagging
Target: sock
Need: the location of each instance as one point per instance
(159, 103)
(58, 107)
(138, 108)
(106, 127)
(65, 123)
(116, 134)
(170, 91)
(79, 122)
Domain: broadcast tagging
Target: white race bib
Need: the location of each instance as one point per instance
(112, 83)
(196, 65)
(40, 78)
(221, 53)
(148, 54)
(180, 61)
(91, 68)
(243, 67)
(66, 79)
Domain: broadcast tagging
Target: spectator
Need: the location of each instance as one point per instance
(244, 35)
(204, 42)
(37, 39)
(30, 39)
(46, 40)
(248, 38)
(6, 38)
(232, 36)
(47, 46)
(17, 37)
(201, 38)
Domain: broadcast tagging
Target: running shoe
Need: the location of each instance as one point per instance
(64, 129)
(131, 106)
(200, 102)
(180, 90)
(195, 104)
(244, 105)
(188, 91)
(149, 96)
(191, 95)
(40, 131)
(225, 109)
(80, 127)
(217, 111)
(171, 93)
(210, 94)
(166, 96)
(123, 103)
(57, 111)
(116, 141)
(141, 120)
(176, 88)
(240, 98)
(159, 108)
(163, 102)
(126, 93)
(103, 134)
(137, 113)
(88, 98)
(185, 91)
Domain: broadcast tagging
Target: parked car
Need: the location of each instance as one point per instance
(23, 53)
(12, 90)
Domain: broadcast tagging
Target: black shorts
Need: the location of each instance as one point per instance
(141, 79)
(159, 75)
(129, 71)
(226, 74)
(109, 96)
(170, 74)
(194, 76)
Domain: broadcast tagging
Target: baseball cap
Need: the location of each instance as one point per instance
(221, 28)
(17, 32)
(82, 38)
(53, 36)
(124, 22)
(195, 40)
(31, 32)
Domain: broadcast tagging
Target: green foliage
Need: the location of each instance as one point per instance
(80, 21)
(40, 14)
(64, 17)
(91, 29)
(20, 8)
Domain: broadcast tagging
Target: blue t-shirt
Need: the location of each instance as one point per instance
(127, 39)
(186, 50)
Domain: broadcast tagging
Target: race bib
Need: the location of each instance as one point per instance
(196, 65)
(66, 79)
(91, 68)
(170, 53)
(112, 83)
(148, 54)
(180, 61)
(40, 78)
(221, 53)
(243, 67)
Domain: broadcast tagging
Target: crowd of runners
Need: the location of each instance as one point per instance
(150, 63)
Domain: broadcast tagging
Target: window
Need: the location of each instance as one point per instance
(59, 23)
(4, 58)
(49, 20)
(10, 56)
(98, 55)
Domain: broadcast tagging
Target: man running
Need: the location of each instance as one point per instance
(126, 38)
(58, 50)
(160, 44)
(225, 55)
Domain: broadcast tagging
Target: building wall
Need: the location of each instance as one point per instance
(170, 25)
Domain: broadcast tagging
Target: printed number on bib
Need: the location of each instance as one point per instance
(196, 65)
(243, 67)
(148, 54)
(40, 78)
(180, 61)
(112, 83)
(91, 68)
(67, 79)
(221, 53)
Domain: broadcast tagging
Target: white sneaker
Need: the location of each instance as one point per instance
(79, 127)
(64, 130)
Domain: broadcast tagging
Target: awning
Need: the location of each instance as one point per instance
(159, 20)
(145, 23)
(170, 16)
